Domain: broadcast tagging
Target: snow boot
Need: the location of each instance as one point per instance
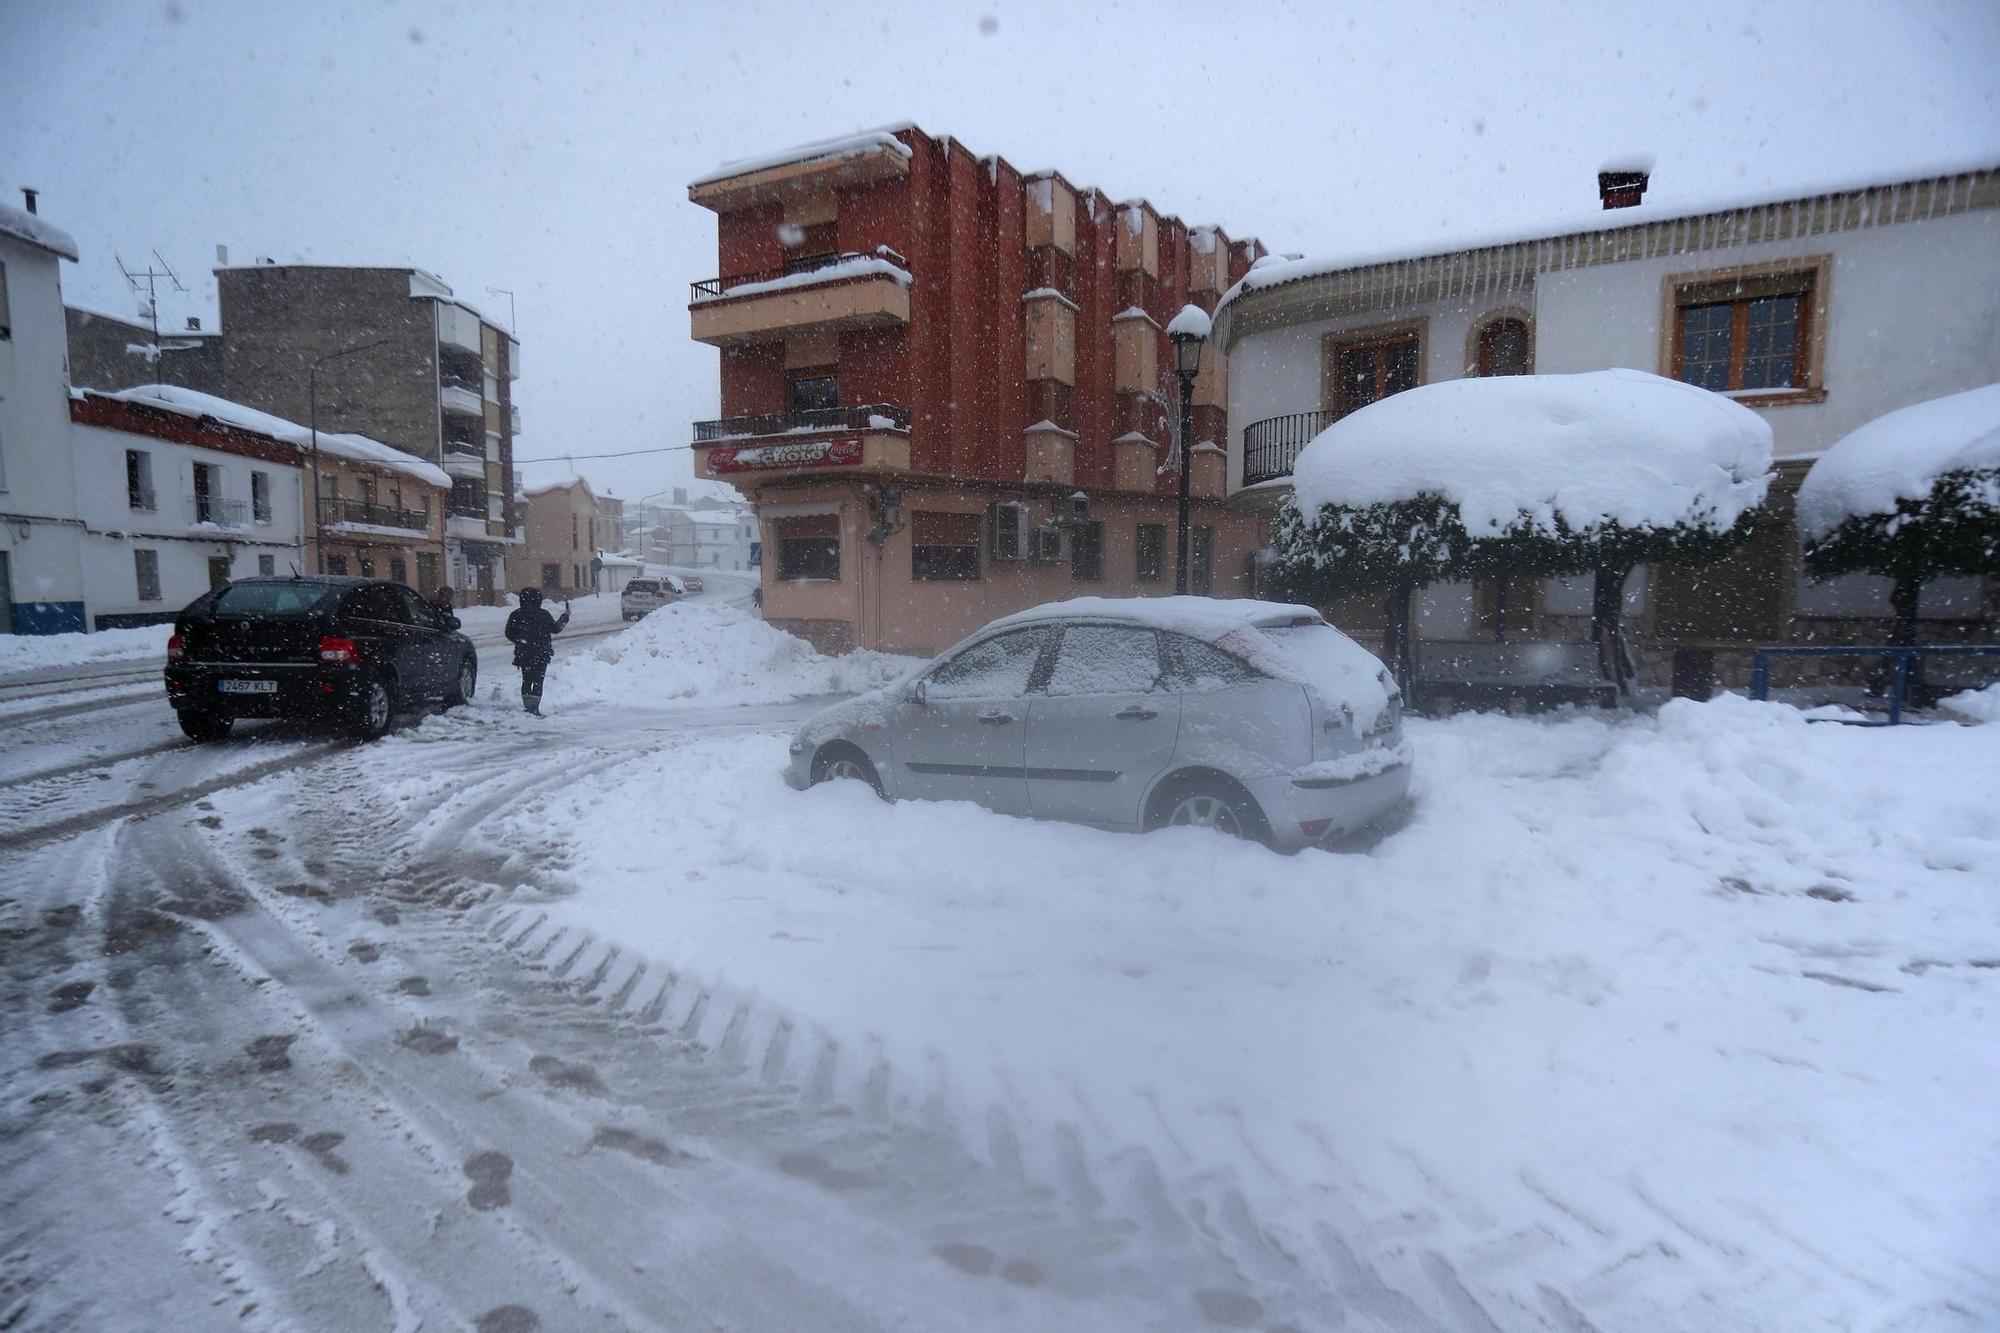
(531, 702)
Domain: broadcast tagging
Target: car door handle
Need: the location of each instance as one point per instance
(995, 719)
(1135, 715)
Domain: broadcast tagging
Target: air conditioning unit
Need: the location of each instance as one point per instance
(1012, 532)
(1047, 547)
(1075, 508)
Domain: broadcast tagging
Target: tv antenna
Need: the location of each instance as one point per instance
(150, 305)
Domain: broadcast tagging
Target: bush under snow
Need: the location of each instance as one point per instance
(1900, 456)
(1607, 447)
(715, 654)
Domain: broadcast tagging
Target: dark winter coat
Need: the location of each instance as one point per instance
(531, 629)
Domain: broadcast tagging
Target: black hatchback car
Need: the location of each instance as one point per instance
(342, 651)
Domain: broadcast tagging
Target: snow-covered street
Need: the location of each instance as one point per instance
(1669, 1022)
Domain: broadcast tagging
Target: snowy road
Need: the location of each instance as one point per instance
(508, 1024)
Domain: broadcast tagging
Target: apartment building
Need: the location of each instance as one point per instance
(566, 529)
(41, 538)
(945, 387)
(113, 352)
(1820, 312)
(435, 379)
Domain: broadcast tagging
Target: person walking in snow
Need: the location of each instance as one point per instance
(531, 629)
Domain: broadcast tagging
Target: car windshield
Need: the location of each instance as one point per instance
(272, 599)
(642, 585)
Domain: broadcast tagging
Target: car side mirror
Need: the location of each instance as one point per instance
(920, 692)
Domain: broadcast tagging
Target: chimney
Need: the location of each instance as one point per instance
(29, 196)
(194, 324)
(1621, 189)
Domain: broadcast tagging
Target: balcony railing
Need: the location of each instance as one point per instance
(1271, 446)
(214, 509)
(375, 516)
(874, 416)
(714, 287)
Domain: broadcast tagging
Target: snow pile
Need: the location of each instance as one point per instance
(823, 150)
(36, 230)
(717, 654)
(360, 448)
(1974, 705)
(1668, 1022)
(1899, 456)
(1192, 321)
(44, 652)
(1606, 446)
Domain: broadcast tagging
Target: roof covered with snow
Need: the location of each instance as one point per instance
(1608, 445)
(568, 483)
(846, 145)
(356, 448)
(1275, 270)
(1898, 457)
(36, 230)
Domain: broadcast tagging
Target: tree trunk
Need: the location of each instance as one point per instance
(1397, 648)
(1607, 627)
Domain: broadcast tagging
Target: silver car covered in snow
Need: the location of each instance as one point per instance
(1255, 718)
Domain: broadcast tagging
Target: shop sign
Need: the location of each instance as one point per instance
(844, 452)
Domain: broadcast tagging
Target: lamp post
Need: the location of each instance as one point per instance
(312, 418)
(1187, 333)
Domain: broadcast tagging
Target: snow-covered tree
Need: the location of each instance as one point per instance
(1528, 475)
(1912, 495)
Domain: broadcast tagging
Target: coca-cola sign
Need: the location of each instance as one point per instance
(843, 452)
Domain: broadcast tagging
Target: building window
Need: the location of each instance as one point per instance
(809, 548)
(551, 577)
(337, 564)
(146, 569)
(399, 570)
(1152, 547)
(139, 481)
(1748, 334)
(812, 390)
(1366, 370)
(367, 567)
(3, 467)
(1503, 347)
(1086, 552)
(468, 498)
(1201, 561)
(574, 540)
(427, 575)
(260, 496)
(6, 319)
(944, 548)
(267, 565)
(218, 571)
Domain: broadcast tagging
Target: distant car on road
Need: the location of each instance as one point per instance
(694, 583)
(1253, 718)
(647, 594)
(344, 651)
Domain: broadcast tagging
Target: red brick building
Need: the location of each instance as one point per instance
(948, 389)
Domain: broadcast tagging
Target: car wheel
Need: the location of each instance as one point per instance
(844, 763)
(463, 688)
(378, 707)
(205, 726)
(1208, 803)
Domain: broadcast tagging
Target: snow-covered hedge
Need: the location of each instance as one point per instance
(1913, 495)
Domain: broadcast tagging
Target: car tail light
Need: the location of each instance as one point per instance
(344, 652)
(176, 650)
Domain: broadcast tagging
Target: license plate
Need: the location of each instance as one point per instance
(248, 686)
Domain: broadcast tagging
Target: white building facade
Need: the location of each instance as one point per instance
(41, 535)
(1822, 313)
(173, 505)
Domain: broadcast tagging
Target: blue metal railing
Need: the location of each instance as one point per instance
(1760, 667)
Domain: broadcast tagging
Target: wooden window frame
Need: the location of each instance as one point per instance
(1811, 275)
(1376, 335)
(1479, 337)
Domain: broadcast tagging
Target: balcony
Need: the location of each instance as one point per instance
(1271, 446)
(218, 512)
(824, 293)
(465, 525)
(335, 512)
(461, 398)
(461, 458)
(513, 418)
(873, 436)
(457, 328)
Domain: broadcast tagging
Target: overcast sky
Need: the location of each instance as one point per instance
(545, 148)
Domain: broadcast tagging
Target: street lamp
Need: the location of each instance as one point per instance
(312, 418)
(1187, 332)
